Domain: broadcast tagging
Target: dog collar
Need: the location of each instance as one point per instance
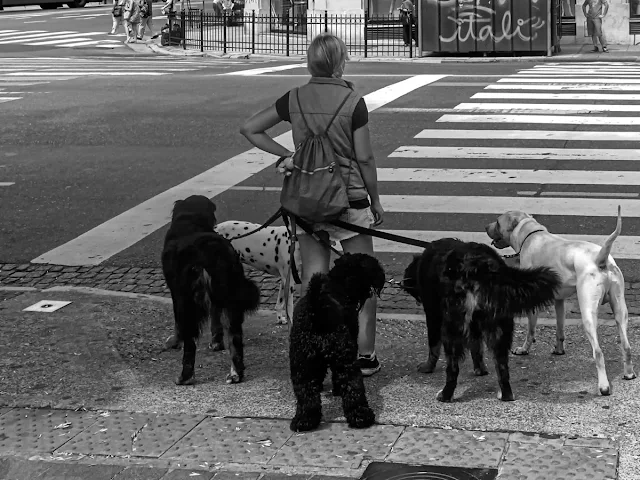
(522, 244)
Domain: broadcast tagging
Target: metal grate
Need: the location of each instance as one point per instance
(400, 471)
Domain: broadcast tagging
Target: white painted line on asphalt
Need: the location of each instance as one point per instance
(584, 110)
(625, 247)
(515, 153)
(43, 36)
(3, 32)
(508, 176)
(45, 74)
(600, 136)
(10, 33)
(549, 106)
(580, 194)
(543, 119)
(7, 184)
(81, 44)
(559, 96)
(8, 99)
(36, 21)
(588, 207)
(55, 42)
(568, 80)
(19, 84)
(128, 228)
(259, 71)
(584, 86)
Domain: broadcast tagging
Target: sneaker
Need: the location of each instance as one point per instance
(605, 50)
(368, 364)
(155, 36)
(139, 38)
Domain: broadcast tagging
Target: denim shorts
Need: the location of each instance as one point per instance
(362, 217)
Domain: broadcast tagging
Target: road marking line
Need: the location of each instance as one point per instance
(584, 86)
(36, 21)
(56, 42)
(559, 96)
(7, 184)
(8, 99)
(549, 106)
(625, 247)
(508, 176)
(568, 80)
(543, 119)
(579, 194)
(43, 36)
(259, 71)
(45, 74)
(26, 32)
(82, 44)
(557, 111)
(601, 136)
(515, 153)
(128, 228)
(588, 207)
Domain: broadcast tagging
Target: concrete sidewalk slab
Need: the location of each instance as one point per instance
(105, 355)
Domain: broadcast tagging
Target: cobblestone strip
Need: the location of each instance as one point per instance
(151, 281)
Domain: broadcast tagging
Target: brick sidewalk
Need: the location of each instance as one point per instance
(151, 281)
(113, 445)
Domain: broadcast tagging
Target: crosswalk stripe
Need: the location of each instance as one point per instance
(574, 135)
(82, 44)
(56, 42)
(549, 106)
(8, 99)
(44, 74)
(509, 176)
(569, 80)
(11, 33)
(429, 152)
(587, 207)
(43, 36)
(543, 119)
(559, 96)
(584, 86)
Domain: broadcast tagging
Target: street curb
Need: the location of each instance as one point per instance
(578, 57)
(407, 317)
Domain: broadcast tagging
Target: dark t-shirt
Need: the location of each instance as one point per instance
(360, 114)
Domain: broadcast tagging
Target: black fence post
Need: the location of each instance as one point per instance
(253, 31)
(224, 32)
(366, 34)
(288, 34)
(326, 21)
(183, 25)
(202, 29)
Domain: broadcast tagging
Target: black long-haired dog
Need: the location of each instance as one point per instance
(324, 334)
(468, 292)
(206, 279)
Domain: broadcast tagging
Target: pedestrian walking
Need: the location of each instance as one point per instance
(407, 20)
(146, 19)
(318, 101)
(117, 16)
(595, 11)
(131, 19)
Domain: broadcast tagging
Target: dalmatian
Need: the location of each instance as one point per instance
(266, 250)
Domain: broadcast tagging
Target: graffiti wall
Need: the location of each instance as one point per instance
(484, 25)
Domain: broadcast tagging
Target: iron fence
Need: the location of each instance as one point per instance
(364, 35)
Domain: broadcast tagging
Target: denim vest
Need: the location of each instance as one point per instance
(319, 99)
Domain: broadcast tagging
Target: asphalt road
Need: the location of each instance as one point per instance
(87, 137)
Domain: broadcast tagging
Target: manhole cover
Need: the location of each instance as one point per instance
(399, 471)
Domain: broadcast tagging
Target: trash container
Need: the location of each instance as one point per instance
(466, 26)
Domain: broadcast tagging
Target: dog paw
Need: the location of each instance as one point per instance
(282, 321)
(520, 351)
(440, 397)
(427, 367)
(172, 342)
(605, 391)
(233, 378)
(216, 346)
(181, 380)
(558, 351)
(361, 417)
(304, 424)
(629, 376)
(508, 397)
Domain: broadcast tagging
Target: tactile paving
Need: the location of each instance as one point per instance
(162, 433)
(398, 471)
(337, 445)
(112, 434)
(232, 440)
(591, 442)
(525, 461)
(26, 430)
(434, 446)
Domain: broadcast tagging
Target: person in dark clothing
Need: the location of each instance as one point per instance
(407, 17)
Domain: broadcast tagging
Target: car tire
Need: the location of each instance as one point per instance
(49, 6)
(77, 4)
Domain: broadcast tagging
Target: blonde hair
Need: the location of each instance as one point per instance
(326, 56)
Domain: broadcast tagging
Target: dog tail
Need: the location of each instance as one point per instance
(193, 314)
(605, 251)
(246, 295)
(518, 291)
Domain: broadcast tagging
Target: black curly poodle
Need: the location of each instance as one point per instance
(324, 334)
